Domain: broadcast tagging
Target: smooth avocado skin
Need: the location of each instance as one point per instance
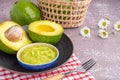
(24, 12)
(45, 31)
(5, 49)
(45, 39)
(8, 46)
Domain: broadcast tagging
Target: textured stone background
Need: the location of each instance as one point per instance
(106, 52)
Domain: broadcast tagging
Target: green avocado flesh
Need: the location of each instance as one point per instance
(24, 12)
(4, 48)
(37, 55)
(9, 41)
(45, 31)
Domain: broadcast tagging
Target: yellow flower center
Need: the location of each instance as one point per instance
(104, 24)
(118, 26)
(104, 33)
(86, 31)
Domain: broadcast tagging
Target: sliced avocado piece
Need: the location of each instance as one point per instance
(12, 37)
(45, 31)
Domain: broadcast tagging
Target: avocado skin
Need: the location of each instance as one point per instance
(24, 12)
(45, 39)
(11, 47)
(5, 49)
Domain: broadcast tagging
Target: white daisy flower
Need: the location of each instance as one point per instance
(117, 26)
(85, 32)
(103, 23)
(103, 33)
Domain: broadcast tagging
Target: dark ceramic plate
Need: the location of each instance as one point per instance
(64, 46)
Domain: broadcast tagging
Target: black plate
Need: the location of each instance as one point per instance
(65, 47)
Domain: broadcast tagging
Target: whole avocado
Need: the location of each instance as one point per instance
(24, 12)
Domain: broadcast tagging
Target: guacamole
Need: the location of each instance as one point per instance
(38, 55)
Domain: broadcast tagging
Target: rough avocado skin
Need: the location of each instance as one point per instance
(24, 12)
(45, 39)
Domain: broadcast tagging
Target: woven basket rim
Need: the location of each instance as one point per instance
(60, 1)
(67, 1)
(69, 17)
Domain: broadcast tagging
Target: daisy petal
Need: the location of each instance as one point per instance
(103, 23)
(85, 32)
(103, 33)
(117, 26)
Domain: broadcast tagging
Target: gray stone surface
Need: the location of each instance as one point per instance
(105, 51)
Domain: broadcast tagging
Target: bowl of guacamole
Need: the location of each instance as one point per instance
(38, 56)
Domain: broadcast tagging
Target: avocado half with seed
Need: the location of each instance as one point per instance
(45, 31)
(12, 37)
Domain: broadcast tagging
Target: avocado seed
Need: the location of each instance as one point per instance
(14, 33)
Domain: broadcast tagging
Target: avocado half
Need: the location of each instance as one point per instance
(45, 31)
(12, 37)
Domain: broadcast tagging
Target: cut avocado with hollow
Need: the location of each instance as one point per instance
(45, 31)
(12, 37)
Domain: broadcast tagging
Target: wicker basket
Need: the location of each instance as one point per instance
(68, 14)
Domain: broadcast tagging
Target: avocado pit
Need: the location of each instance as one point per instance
(14, 33)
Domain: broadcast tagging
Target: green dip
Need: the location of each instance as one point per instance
(38, 55)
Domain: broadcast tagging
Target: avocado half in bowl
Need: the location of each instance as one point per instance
(38, 56)
(45, 31)
(12, 37)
